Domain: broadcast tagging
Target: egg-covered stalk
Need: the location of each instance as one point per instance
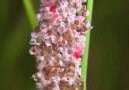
(58, 43)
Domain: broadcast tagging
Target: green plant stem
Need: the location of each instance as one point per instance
(85, 56)
(30, 12)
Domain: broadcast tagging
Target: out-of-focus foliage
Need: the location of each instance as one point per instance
(108, 61)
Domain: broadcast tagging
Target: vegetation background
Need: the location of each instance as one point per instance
(108, 67)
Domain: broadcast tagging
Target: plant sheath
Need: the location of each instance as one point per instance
(85, 56)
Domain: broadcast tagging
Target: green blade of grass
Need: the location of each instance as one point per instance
(85, 56)
(30, 12)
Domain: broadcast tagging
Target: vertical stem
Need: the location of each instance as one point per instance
(85, 56)
(30, 12)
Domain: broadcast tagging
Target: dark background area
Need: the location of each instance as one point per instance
(108, 66)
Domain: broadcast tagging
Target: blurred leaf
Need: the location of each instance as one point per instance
(30, 12)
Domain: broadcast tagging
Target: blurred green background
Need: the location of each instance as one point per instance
(108, 67)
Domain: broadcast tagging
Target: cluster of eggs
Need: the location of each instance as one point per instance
(58, 43)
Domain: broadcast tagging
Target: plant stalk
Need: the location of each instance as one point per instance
(86, 53)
